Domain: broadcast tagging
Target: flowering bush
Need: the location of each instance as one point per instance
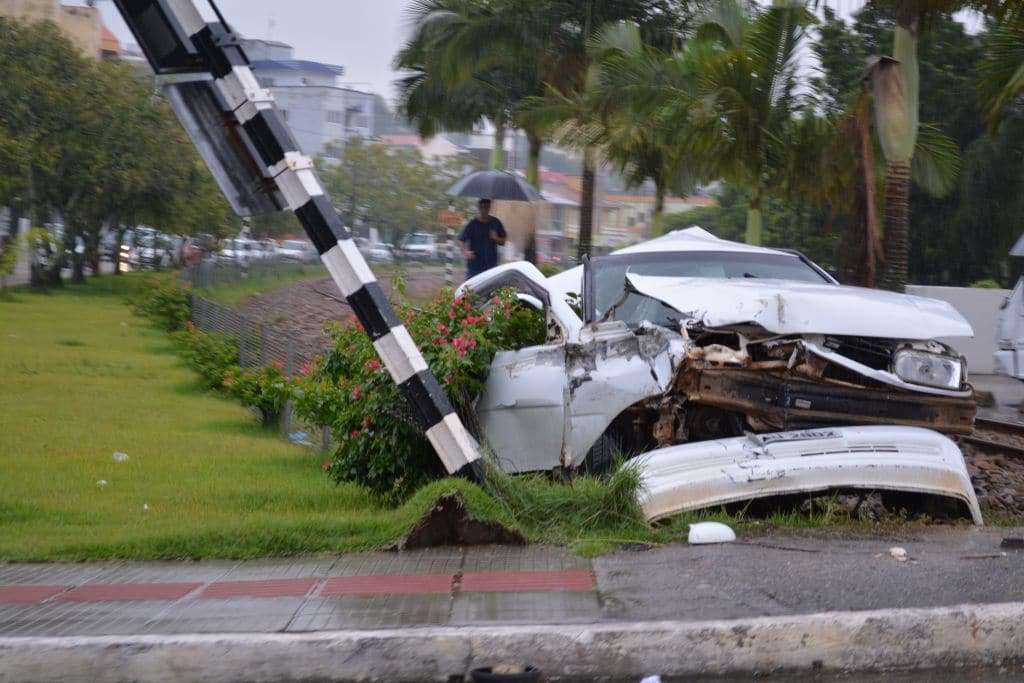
(349, 390)
(265, 389)
(211, 355)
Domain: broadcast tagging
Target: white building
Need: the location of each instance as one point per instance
(312, 99)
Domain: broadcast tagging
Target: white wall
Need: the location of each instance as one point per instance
(981, 308)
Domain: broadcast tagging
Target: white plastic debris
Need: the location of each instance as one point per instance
(710, 532)
(120, 457)
(145, 507)
(102, 482)
(897, 553)
(651, 679)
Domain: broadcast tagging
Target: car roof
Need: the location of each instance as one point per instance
(691, 239)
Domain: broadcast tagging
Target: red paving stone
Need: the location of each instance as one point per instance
(396, 584)
(576, 580)
(28, 594)
(116, 592)
(270, 588)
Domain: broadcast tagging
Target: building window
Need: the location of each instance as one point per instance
(335, 116)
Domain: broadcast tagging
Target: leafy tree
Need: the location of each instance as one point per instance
(394, 191)
(88, 145)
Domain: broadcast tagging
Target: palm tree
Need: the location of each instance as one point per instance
(896, 84)
(564, 33)
(641, 144)
(438, 93)
(731, 90)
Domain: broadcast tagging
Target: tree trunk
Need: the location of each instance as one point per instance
(754, 220)
(533, 160)
(897, 209)
(118, 241)
(586, 206)
(658, 220)
(498, 151)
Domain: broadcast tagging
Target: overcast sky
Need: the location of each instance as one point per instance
(361, 35)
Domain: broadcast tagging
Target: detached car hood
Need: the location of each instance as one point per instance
(784, 307)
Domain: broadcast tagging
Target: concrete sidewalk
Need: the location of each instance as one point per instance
(792, 578)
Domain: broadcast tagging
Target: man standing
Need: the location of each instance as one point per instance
(480, 239)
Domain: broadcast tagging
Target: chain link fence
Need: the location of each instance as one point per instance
(211, 272)
(259, 343)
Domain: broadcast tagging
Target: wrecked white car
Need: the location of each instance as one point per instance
(689, 339)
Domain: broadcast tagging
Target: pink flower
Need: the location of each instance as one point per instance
(495, 301)
(451, 314)
(373, 364)
(366, 423)
(279, 365)
(442, 328)
(357, 393)
(354, 434)
(306, 368)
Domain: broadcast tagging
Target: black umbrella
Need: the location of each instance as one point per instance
(495, 185)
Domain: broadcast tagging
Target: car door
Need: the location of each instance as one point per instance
(522, 407)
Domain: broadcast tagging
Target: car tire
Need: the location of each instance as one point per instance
(602, 455)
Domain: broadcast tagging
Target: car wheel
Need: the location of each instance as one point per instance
(602, 454)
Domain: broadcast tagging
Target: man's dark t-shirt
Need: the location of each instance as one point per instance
(477, 236)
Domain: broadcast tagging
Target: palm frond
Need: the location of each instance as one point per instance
(936, 162)
(1001, 71)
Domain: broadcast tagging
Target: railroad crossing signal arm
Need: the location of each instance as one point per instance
(255, 160)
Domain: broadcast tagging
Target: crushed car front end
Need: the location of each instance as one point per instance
(688, 342)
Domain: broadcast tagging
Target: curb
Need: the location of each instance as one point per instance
(940, 638)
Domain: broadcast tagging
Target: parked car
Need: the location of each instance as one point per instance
(299, 251)
(738, 371)
(420, 246)
(1009, 355)
(379, 252)
(150, 249)
(239, 250)
(266, 250)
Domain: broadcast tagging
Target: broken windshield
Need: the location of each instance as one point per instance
(606, 279)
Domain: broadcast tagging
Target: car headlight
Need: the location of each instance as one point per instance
(929, 369)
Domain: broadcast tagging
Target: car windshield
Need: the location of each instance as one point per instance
(419, 239)
(295, 245)
(607, 277)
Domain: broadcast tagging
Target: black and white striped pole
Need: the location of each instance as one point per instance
(255, 159)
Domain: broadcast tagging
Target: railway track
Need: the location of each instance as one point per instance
(1000, 436)
(994, 454)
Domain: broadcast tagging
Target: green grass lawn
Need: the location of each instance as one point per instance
(82, 378)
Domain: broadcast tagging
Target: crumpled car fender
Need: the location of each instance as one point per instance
(711, 473)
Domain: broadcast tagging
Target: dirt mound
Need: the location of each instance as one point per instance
(448, 523)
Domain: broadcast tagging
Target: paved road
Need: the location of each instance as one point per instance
(772, 575)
